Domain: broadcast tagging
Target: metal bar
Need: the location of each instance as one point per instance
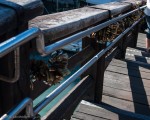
(75, 37)
(17, 69)
(28, 35)
(26, 103)
(14, 42)
(72, 78)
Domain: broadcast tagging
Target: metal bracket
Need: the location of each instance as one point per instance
(17, 69)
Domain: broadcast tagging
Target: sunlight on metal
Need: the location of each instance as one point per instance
(11, 44)
(25, 104)
(72, 78)
(32, 33)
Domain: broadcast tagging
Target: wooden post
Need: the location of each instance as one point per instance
(99, 73)
(12, 94)
(121, 49)
(14, 22)
(135, 33)
(99, 79)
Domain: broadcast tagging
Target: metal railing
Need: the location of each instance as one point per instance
(28, 35)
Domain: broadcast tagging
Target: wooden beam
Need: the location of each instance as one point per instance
(58, 25)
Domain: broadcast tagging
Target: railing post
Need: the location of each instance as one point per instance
(88, 41)
(135, 35)
(99, 73)
(16, 22)
(122, 49)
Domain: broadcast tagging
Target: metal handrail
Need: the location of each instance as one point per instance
(26, 103)
(72, 78)
(14, 42)
(11, 44)
(48, 49)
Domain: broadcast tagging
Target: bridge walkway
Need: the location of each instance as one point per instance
(126, 90)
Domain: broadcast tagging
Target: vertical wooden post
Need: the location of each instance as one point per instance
(135, 33)
(12, 93)
(99, 79)
(87, 41)
(99, 74)
(121, 49)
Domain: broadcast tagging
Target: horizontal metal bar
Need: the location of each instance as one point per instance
(26, 103)
(26, 36)
(11, 44)
(72, 78)
(75, 37)
(14, 42)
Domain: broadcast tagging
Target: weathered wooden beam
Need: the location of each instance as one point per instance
(114, 8)
(58, 25)
(133, 2)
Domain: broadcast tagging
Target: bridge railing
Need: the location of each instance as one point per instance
(15, 42)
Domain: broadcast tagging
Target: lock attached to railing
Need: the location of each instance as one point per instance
(52, 71)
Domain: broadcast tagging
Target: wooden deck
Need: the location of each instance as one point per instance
(126, 91)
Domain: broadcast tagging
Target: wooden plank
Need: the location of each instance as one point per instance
(84, 116)
(138, 58)
(137, 52)
(125, 79)
(127, 87)
(101, 111)
(127, 105)
(85, 54)
(130, 72)
(126, 95)
(141, 36)
(58, 25)
(134, 3)
(114, 7)
(130, 65)
(97, 111)
(141, 48)
(73, 118)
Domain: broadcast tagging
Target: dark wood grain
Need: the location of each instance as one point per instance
(126, 95)
(90, 111)
(126, 105)
(129, 72)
